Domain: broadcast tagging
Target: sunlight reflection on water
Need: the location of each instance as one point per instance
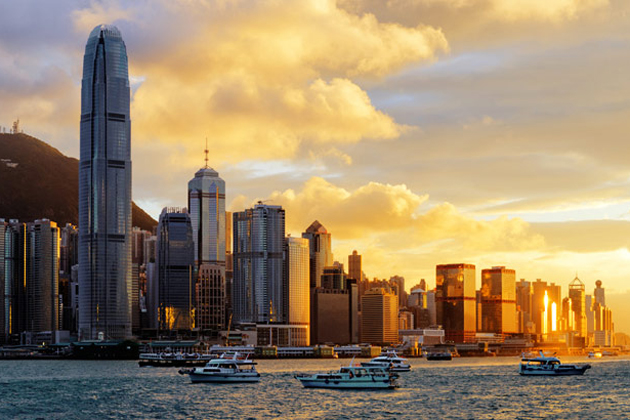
(459, 389)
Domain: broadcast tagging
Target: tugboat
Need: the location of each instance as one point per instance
(350, 377)
(224, 369)
(549, 366)
(389, 360)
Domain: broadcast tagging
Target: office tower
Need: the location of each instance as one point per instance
(546, 301)
(257, 289)
(577, 294)
(15, 266)
(297, 285)
(42, 279)
(105, 189)
(379, 321)
(330, 316)
(498, 300)
(149, 249)
(206, 204)
(354, 266)
(422, 304)
(229, 265)
(334, 277)
(320, 247)
(456, 301)
(210, 298)
(524, 324)
(174, 265)
(138, 277)
(599, 293)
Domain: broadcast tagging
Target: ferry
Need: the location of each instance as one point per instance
(389, 360)
(549, 366)
(225, 369)
(439, 355)
(350, 377)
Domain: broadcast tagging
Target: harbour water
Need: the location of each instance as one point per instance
(466, 388)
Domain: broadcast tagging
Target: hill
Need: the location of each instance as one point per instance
(38, 181)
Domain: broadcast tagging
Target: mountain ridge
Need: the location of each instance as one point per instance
(37, 181)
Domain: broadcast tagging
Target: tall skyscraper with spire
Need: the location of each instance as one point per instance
(105, 189)
(206, 204)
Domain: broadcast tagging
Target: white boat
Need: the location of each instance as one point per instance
(350, 377)
(173, 359)
(227, 368)
(389, 361)
(549, 366)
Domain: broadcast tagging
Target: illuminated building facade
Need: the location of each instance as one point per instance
(498, 300)
(379, 320)
(105, 189)
(210, 298)
(455, 297)
(258, 289)
(297, 281)
(320, 249)
(174, 266)
(577, 294)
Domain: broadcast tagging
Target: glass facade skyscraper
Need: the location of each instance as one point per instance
(206, 204)
(455, 298)
(258, 290)
(105, 189)
(320, 249)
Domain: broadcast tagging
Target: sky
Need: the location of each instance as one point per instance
(418, 132)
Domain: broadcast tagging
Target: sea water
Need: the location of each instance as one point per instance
(465, 388)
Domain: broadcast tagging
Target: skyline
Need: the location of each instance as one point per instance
(491, 135)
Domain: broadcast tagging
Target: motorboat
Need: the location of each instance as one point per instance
(550, 366)
(227, 368)
(167, 359)
(389, 360)
(351, 377)
(439, 355)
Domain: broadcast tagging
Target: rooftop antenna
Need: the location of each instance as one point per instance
(206, 152)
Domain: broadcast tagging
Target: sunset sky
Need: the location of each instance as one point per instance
(418, 132)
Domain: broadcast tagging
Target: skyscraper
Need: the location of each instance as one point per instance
(174, 262)
(258, 290)
(379, 321)
(455, 298)
(206, 204)
(105, 188)
(297, 282)
(320, 249)
(577, 294)
(498, 300)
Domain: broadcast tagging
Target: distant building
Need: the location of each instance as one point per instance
(379, 322)
(577, 294)
(174, 267)
(456, 301)
(498, 301)
(257, 290)
(297, 285)
(334, 277)
(546, 301)
(330, 316)
(320, 249)
(524, 324)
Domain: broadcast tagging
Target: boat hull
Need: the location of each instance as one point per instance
(394, 368)
(346, 384)
(222, 378)
(568, 371)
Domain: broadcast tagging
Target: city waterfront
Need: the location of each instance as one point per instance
(465, 388)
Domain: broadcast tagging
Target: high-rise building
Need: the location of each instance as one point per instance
(175, 265)
(577, 294)
(4, 301)
(105, 189)
(42, 279)
(379, 321)
(545, 308)
(334, 277)
(206, 204)
(599, 293)
(498, 300)
(355, 269)
(15, 266)
(320, 248)
(297, 281)
(297, 299)
(524, 307)
(455, 297)
(258, 289)
(210, 294)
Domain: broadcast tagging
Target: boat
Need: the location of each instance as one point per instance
(389, 360)
(595, 355)
(549, 366)
(439, 355)
(168, 359)
(350, 377)
(231, 368)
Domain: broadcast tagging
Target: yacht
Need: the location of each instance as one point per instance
(550, 366)
(389, 361)
(350, 377)
(227, 368)
(439, 355)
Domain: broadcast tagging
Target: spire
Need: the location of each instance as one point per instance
(206, 152)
